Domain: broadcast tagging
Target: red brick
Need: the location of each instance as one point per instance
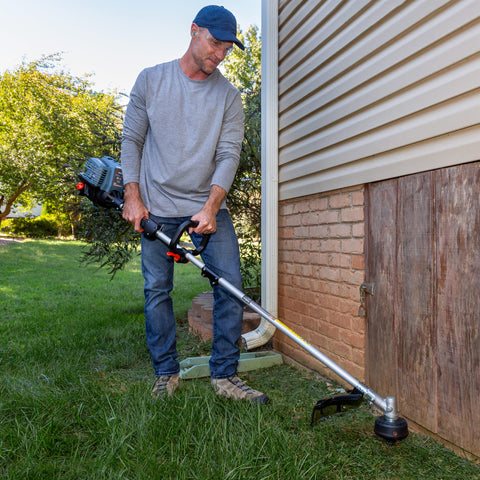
(346, 260)
(352, 277)
(358, 229)
(331, 331)
(327, 273)
(334, 289)
(358, 324)
(310, 218)
(334, 259)
(353, 245)
(316, 312)
(340, 201)
(300, 232)
(341, 349)
(355, 370)
(301, 207)
(358, 262)
(285, 233)
(339, 260)
(318, 286)
(351, 291)
(329, 216)
(305, 245)
(286, 208)
(307, 296)
(344, 306)
(291, 292)
(340, 230)
(307, 271)
(354, 214)
(342, 320)
(358, 357)
(320, 342)
(286, 268)
(331, 245)
(321, 312)
(358, 198)
(318, 231)
(299, 257)
(292, 221)
(319, 204)
(354, 339)
(285, 245)
(302, 282)
(318, 258)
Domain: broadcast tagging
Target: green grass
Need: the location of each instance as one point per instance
(75, 379)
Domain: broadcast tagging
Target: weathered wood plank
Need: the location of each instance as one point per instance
(458, 300)
(381, 200)
(414, 300)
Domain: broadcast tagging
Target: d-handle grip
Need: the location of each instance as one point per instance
(180, 231)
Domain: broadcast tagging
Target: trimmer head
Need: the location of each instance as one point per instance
(391, 430)
(388, 428)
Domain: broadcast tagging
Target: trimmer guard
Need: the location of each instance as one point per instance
(337, 404)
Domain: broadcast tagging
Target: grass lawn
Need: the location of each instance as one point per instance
(75, 380)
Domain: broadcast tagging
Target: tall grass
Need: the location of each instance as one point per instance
(75, 379)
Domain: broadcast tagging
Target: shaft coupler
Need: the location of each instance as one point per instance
(150, 228)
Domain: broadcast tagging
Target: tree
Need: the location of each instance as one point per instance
(243, 69)
(50, 121)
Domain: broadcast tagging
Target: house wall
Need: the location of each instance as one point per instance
(321, 268)
(370, 90)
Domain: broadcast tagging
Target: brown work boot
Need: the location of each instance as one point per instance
(165, 385)
(233, 387)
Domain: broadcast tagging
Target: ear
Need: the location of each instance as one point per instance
(194, 30)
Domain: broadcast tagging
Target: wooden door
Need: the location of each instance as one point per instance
(423, 335)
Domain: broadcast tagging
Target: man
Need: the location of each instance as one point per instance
(181, 143)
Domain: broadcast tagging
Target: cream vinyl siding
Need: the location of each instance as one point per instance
(370, 90)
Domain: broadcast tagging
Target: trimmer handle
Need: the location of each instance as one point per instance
(180, 231)
(150, 229)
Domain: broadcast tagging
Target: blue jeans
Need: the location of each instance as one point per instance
(222, 256)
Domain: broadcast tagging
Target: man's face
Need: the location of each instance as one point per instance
(208, 52)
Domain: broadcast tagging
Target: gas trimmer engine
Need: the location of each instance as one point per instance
(102, 182)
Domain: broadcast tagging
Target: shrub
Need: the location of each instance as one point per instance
(250, 267)
(44, 226)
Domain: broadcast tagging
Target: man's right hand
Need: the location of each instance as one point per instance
(133, 208)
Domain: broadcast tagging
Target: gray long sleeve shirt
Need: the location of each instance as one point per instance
(180, 136)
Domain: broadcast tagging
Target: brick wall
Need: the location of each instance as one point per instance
(321, 268)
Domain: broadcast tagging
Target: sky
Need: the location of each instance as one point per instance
(111, 39)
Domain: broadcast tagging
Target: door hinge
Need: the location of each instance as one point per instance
(365, 288)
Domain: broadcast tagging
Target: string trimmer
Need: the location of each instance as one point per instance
(102, 183)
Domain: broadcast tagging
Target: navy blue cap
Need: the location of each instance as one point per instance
(220, 22)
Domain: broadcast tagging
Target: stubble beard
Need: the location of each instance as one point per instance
(207, 65)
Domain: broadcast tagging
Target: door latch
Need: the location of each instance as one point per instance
(365, 288)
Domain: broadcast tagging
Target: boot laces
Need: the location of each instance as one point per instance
(239, 384)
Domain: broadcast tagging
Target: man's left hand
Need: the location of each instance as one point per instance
(207, 222)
